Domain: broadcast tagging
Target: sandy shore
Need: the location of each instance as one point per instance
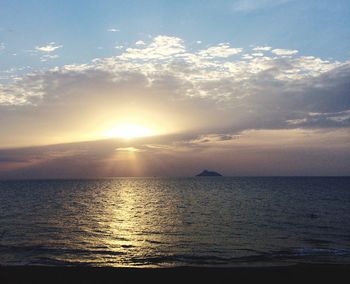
(44, 274)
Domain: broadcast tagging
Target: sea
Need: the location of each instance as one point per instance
(170, 222)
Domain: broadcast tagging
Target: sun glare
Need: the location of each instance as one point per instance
(129, 131)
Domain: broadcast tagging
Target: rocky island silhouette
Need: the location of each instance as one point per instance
(207, 173)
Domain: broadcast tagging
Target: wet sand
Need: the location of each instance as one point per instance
(282, 274)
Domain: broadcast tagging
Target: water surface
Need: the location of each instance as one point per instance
(156, 222)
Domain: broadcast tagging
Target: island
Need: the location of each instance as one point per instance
(207, 173)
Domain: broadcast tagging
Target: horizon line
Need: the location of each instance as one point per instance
(187, 176)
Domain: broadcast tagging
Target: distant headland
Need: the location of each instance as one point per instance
(207, 173)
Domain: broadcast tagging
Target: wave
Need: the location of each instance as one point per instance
(55, 250)
(297, 255)
(41, 255)
(322, 251)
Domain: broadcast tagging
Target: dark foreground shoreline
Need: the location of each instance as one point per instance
(282, 274)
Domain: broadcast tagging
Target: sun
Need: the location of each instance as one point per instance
(129, 131)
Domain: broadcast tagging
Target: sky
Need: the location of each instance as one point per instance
(169, 88)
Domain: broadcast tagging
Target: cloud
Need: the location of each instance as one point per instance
(162, 47)
(48, 48)
(140, 42)
(205, 92)
(119, 47)
(47, 57)
(262, 48)
(213, 138)
(221, 50)
(254, 5)
(249, 111)
(284, 52)
(113, 30)
(330, 119)
(128, 149)
(2, 47)
(247, 56)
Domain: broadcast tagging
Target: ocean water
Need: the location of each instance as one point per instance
(162, 222)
